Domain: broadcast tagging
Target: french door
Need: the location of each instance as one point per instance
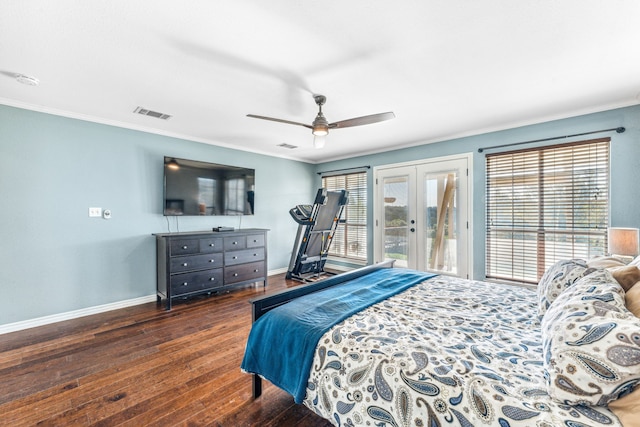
(421, 215)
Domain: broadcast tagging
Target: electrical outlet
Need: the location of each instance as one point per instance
(95, 212)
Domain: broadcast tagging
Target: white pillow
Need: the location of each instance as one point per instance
(605, 262)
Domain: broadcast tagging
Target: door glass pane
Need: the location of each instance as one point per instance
(396, 219)
(440, 231)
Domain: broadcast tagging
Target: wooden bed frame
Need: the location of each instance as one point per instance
(268, 302)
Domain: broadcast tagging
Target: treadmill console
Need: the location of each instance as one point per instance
(302, 214)
(305, 210)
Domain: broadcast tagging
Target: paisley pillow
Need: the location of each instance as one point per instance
(556, 279)
(591, 343)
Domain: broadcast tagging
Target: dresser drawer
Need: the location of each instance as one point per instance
(244, 256)
(196, 281)
(231, 243)
(184, 247)
(255, 240)
(240, 273)
(213, 244)
(195, 262)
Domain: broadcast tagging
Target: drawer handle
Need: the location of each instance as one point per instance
(212, 260)
(185, 284)
(235, 243)
(235, 274)
(184, 264)
(211, 244)
(212, 279)
(255, 254)
(255, 241)
(256, 270)
(185, 247)
(235, 257)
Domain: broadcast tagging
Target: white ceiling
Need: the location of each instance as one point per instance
(445, 68)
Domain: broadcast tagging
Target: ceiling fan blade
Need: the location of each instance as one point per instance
(364, 120)
(280, 121)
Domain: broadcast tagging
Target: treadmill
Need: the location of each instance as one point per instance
(317, 224)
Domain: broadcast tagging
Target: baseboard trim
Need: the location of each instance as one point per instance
(60, 317)
(46, 320)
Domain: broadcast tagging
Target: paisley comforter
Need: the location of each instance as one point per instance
(446, 352)
(297, 326)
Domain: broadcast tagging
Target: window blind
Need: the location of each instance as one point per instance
(543, 205)
(350, 238)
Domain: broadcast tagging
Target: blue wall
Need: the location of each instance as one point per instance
(56, 259)
(625, 164)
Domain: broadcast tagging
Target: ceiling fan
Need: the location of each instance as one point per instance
(320, 126)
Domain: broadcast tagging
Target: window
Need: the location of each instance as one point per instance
(543, 205)
(350, 239)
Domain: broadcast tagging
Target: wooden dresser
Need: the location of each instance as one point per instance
(203, 262)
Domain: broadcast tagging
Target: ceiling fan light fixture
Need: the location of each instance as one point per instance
(320, 131)
(318, 141)
(320, 125)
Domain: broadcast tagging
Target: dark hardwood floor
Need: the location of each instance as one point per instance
(143, 366)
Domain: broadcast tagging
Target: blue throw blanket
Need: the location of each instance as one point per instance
(282, 342)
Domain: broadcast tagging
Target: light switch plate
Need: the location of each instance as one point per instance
(95, 212)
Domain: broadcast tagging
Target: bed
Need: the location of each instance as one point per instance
(441, 351)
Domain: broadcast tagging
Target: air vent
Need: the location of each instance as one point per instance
(27, 80)
(289, 146)
(151, 113)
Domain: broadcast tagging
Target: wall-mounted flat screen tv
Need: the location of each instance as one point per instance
(198, 188)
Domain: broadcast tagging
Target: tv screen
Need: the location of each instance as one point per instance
(199, 188)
